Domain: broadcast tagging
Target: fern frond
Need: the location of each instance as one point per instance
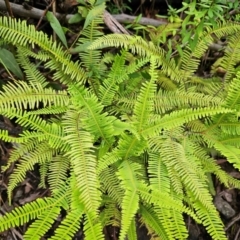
(163, 200)
(43, 153)
(43, 170)
(158, 174)
(82, 160)
(172, 222)
(233, 96)
(110, 85)
(187, 168)
(19, 34)
(71, 223)
(93, 120)
(171, 100)
(92, 227)
(141, 47)
(31, 96)
(132, 233)
(151, 220)
(231, 57)
(32, 74)
(110, 183)
(110, 215)
(145, 104)
(128, 175)
(29, 211)
(210, 219)
(177, 118)
(57, 171)
(44, 222)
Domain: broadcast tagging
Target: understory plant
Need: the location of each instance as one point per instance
(129, 139)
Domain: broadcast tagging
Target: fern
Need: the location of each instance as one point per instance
(127, 140)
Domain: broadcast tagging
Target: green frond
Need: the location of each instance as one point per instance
(171, 100)
(128, 175)
(232, 153)
(165, 82)
(41, 154)
(172, 222)
(29, 211)
(158, 174)
(93, 120)
(43, 170)
(68, 226)
(92, 227)
(210, 219)
(130, 145)
(145, 104)
(163, 200)
(92, 59)
(151, 220)
(31, 95)
(44, 222)
(82, 159)
(28, 52)
(110, 85)
(173, 154)
(110, 183)
(177, 118)
(71, 223)
(141, 47)
(132, 233)
(20, 150)
(232, 100)
(30, 69)
(107, 160)
(58, 168)
(110, 215)
(4, 135)
(19, 34)
(231, 57)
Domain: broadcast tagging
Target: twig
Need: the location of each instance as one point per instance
(233, 220)
(238, 232)
(113, 24)
(9, 9)
(43, 13)
(38, 13)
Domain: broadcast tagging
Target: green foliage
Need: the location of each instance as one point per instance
(127, 138)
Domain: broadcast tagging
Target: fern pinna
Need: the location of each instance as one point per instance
(125, 141)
